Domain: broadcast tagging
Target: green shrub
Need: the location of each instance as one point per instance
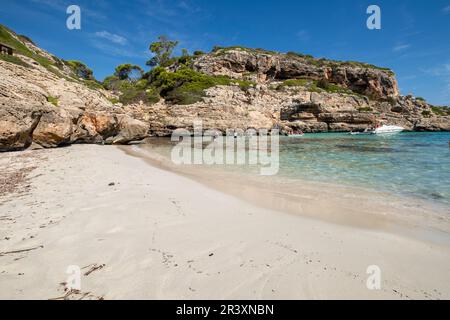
(15, 60)
(128, 71)
(134, 92)
(392, 101)
(6, 37)
(111, 82)
(334, 63)
(10, 38)
(53, 100)
(296, 83)
(93, 84)
(186, 86)
(26, 39)
(426, 113)
(223, 50)
(306, 83)
(365, 109)
(217, 48)
(80, 69)
(114, 100)
(300, 55)
(323, 84)
(152, 95)
(333, 88)
(441, 111)
(245, 85)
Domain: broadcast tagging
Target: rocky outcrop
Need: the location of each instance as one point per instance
(291, 109)
(17, 124)
(435, 124)
(77, 114)
(264, 67)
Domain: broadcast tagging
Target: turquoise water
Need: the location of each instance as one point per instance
(413, 164)
(408, 164)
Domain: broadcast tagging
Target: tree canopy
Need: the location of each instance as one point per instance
(80, 69)
(128, 72)
(163, 50)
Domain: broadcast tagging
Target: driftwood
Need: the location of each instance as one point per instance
(21, 250)
(95, 267)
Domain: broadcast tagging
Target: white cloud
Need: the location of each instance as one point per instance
(303, 35)
(442, 70)
(446, 9)
(119, 51)
(111, 37)
(401, 47)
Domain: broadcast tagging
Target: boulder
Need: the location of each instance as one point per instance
(95, 127)
(17, 123)
(55, 128)
(130, 130)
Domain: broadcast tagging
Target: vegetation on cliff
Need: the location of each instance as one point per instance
(318, 62)
(312, 85)
(80, 69)
(441, 111)
(11, 39)
(171, 78)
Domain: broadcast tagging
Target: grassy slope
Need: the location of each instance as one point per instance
(7, 37)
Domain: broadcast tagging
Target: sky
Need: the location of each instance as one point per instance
(414, 39)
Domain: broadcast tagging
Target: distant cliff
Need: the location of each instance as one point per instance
(51, 102)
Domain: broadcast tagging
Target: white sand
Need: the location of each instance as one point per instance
(163, 236)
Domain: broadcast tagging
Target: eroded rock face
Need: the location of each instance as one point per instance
(79, 115)
(129, 130)
(291, 109)
(433, 124)
(263, 67)
(17, 123)
(55, 128)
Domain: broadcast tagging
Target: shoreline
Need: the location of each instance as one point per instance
(344, 205)
(154, 234)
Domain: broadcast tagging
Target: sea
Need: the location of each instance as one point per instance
(411, 164)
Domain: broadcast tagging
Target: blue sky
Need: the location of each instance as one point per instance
(414, 40)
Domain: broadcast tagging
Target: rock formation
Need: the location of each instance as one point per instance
(48, 105)
(283, 96)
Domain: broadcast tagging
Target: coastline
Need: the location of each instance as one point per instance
(340, 204)
(160, 235)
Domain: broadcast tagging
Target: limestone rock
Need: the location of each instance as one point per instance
(433, 124)
(17, 123)
(267, 66)
(55, 128)
(130, 130)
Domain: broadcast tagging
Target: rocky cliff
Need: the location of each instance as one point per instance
(44, 102)
(265, 67)
(297, 92)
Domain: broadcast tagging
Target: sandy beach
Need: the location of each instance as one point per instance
(139, 232)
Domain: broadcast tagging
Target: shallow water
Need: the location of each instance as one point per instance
(413, 164)
(409, 164)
